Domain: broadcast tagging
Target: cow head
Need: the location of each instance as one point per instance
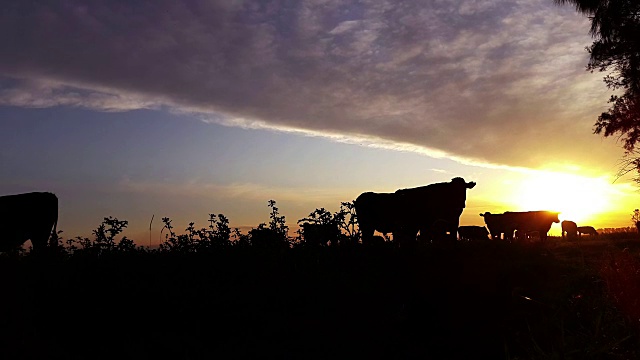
(459, 180)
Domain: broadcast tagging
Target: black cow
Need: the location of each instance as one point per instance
(525, 222)
(408, 211)
(473, 233)
(29, 216)
(499, 224)
(532, 221)
(589, 230)
(437, 231)
(317, 234)
(570, 229)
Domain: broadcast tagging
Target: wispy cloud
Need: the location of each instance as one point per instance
(35, 93)
(234, 191)
(500, 81)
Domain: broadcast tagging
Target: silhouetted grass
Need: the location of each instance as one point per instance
(210, 296)
(489, 299)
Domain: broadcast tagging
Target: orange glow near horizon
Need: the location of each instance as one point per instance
(577, 198)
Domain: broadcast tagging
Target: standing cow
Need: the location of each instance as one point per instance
(531, 221)
(408, 211)
(525, 222)
(589, 230)
(499, 224)
(570, 229)
(29, 216)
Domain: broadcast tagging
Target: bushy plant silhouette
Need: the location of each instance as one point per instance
(321, 228)
(271, 236)
(216, 236)
(104, 240)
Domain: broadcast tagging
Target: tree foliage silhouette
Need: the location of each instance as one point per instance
(615, 26)
(635, 219)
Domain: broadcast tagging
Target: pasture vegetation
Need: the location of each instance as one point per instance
(217, 292)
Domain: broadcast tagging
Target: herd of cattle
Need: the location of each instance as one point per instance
(426, 213)
(432, 213)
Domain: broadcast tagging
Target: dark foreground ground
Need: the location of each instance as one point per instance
(478, 301)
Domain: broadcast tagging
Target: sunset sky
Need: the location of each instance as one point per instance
(184, 108)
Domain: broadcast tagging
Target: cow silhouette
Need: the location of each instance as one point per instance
(569, 229)
(320, 234)
(589, 230)
(473, 233)
(30, 216)
(525, 222)
(499, 225)
(532, 221)
(407, 211)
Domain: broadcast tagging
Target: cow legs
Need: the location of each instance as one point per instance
(543, 236)
(367, 233)
(508, 235)
(404, 236)
(425, 236)
(453, 231)
(445, 230)
(40, 239)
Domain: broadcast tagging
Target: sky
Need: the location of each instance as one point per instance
(141, 109)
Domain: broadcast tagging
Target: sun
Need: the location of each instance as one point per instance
(577, 198)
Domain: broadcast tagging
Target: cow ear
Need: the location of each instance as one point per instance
(470, 185)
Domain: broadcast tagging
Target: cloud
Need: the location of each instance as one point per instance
(497, 81)
(197, 189)
(42, 94)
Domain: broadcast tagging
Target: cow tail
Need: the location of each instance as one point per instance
(53, 239)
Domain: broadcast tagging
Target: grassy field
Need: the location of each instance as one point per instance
(560, 300)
